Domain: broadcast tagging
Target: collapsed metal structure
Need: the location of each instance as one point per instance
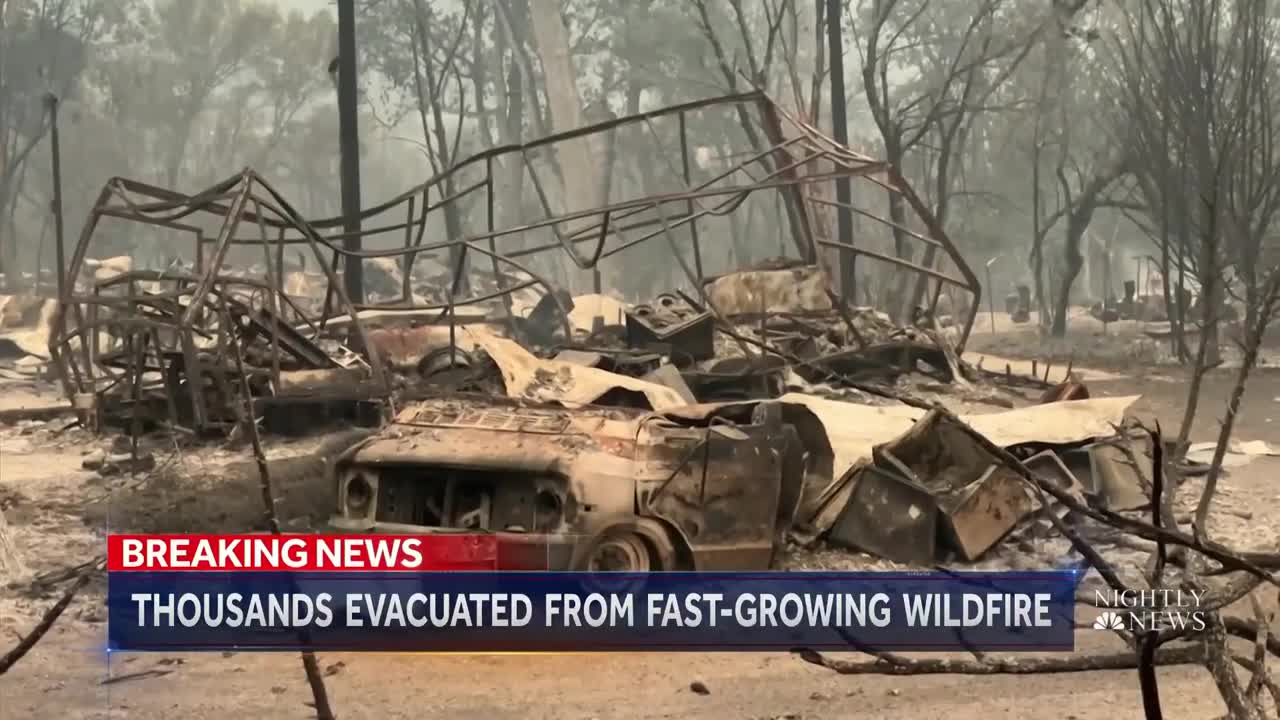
(185, 329)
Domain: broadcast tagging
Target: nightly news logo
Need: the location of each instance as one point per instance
(1146, 610)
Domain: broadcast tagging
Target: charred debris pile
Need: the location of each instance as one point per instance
(851, 407)
(707, 427)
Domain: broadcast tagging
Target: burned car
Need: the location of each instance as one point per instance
(706, 487)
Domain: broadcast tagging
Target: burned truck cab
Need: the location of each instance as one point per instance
(592, 488)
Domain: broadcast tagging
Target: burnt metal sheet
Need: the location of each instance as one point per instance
(939, 453)
(879, 360)
(668, 375)
(980, 515)
(721, 488)
(752, 292)
(1121, 470)
(331, 383)
(979, 498)
(739, 378)
(1079, 462)
(507, 419)
(820, 462)
(528, 377)
(580, 357)
(1048, 465)
(1107, 472)
(888, 516)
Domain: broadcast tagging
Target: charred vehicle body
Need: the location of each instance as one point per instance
(706, 487)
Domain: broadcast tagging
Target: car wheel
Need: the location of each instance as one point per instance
(620, 552)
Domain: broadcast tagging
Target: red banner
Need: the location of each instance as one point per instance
(355, 553)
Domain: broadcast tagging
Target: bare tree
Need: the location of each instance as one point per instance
(198, 49)
(580, 160)
(746, 47)
(955, 65)
(43, 48)
(1198, 92)
(1075, 168)
(1079, 205)
(430, 76)
(285, 80)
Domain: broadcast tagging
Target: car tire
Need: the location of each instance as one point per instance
(620, 551)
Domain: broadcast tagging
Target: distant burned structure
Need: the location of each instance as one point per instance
(166, 340)
(172, 343)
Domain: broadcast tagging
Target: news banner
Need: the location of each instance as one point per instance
(446, 593)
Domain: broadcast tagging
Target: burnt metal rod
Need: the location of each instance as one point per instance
(275, 288)
(693, 227)
(56, 148)
(991, 296)
(490, 223)
(900, 262)
(406, 260)
(349, 148)
(928, 241)
(138, 343)
(840, 130)
(249, 423)
(553, 139)
(551, 221)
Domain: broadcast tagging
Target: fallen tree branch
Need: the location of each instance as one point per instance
(1220, 664)
(1082, 546)
(1260, 675)
(1264, 560)
(54, 577)
(890, 664)
(1248, 630)
(1229, 594)
(1251, 346)
(1207, 548)
(1149, 643)
(1267, 681)
(50, 617)
(140, 675)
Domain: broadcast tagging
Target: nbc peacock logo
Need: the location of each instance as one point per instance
(1146, 610)
(1108, 621)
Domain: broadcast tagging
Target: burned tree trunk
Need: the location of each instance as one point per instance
(28, 641)
(430, 97)
(580, 170)
(1079, 217)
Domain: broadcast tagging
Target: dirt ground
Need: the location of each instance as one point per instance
(59, 513)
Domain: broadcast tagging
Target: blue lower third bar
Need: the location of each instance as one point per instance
(578, 612)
